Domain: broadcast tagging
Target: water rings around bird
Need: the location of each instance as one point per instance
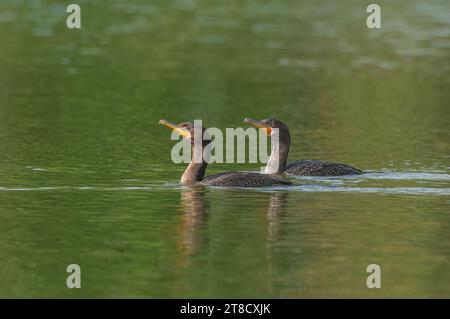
(413, 183)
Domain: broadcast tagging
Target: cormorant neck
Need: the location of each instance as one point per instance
(280, 141)
(196, 169)
(194, 173)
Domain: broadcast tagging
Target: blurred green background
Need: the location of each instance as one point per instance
(86, 175)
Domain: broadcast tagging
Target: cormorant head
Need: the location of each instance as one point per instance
(268, 125)
(280, 139)
(187, 131)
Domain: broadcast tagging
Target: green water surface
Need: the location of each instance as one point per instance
(86, 175)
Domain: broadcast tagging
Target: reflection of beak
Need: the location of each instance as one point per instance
(258, 124)
(183, 132)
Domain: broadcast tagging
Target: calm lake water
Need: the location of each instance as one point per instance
(86, 175)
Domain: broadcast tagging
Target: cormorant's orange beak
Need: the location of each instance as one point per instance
(183, 132)
(258, 124)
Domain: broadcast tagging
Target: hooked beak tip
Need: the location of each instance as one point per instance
(258, 124)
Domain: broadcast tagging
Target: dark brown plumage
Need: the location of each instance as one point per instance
(319, 168)
(243, 179)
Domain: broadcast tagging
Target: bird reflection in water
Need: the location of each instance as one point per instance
(193, 222)
(193, 219)
(274, 212)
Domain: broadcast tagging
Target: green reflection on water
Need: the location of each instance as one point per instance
(86, 175)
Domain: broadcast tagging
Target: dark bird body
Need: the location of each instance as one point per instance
(319, 168)
(243, 179)
(281, 142)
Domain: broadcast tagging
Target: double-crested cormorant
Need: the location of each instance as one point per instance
(281, 141)
(195, 172)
